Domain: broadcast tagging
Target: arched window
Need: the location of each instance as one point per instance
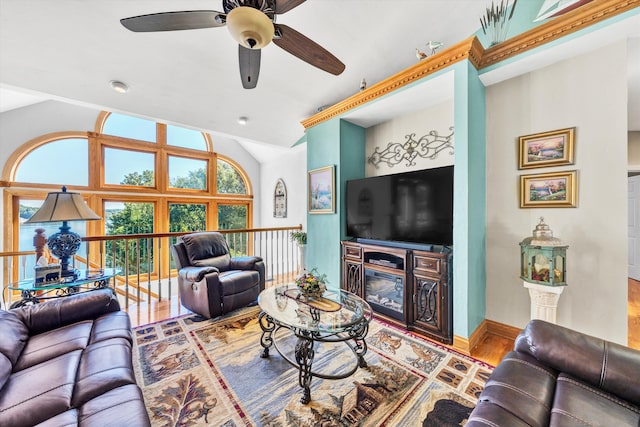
(138, 175)
(63, 161)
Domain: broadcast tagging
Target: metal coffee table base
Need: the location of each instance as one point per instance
(353, 337)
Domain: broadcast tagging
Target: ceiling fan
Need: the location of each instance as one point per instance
(252, 23)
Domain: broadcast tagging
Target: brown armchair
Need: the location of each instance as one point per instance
(210, 281)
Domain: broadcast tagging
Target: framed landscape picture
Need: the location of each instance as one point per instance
(549, 190)
(321, 190)
(544, 149)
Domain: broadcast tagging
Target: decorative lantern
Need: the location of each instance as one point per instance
(543, 257)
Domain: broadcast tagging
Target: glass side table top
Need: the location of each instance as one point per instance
(84, 277)
(300, 314)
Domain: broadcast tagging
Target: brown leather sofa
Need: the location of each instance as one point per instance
(67, 362)
(560, 377)
(210, 281)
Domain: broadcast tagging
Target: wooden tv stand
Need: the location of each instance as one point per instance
(407, 285)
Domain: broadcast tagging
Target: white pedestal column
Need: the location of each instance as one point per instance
(544, 300)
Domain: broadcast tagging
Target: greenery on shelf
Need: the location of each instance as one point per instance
(300, 237)
(495, 21)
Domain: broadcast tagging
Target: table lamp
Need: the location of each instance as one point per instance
(63, 206)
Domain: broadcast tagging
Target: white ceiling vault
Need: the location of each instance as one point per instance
(70, 49)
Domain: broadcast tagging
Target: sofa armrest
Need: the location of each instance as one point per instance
(244, 262)
(54, 313)
(195, 274)
(601, 363)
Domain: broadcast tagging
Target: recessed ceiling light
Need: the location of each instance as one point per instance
(119, 86)
(242, 120)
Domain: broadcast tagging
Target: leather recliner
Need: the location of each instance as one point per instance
(210, 281)
(560, 377)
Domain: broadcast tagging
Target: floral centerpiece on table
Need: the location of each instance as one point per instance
(311, 283)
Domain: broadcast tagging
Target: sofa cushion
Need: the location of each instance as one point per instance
(40, 392)
(104, 366)
(54, 343)
(523, 387)
(112, 325)
(65, 311)
(600, 363)
(238, 281)
(68, 418)
(123, 406)
(489, 414)
(578, 404)
(13, 336)
(5, 370)
(207, 250)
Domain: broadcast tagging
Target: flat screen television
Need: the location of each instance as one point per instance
(414, 207)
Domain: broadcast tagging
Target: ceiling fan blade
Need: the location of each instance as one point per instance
(306, 49)
(283, 6)
(249, 60)
(171, 21)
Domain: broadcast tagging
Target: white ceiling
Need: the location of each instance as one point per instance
(70, 49)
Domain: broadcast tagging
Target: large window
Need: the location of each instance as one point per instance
(140, 176)
(128, 167)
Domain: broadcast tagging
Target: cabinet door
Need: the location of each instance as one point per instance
(428, 302)
(352, 277)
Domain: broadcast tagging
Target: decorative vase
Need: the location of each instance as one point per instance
(301, 255)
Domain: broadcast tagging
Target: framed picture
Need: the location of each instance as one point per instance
(552, 148)
(549, 190)
(321, 190)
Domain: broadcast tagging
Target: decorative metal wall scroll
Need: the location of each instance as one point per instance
(426, 147)
(280, 200)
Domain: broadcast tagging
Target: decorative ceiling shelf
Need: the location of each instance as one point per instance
(472, 49)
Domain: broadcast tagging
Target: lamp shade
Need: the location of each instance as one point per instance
(250, 27)
(63, 206)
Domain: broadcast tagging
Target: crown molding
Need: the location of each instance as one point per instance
(471, 49)
(575, 20)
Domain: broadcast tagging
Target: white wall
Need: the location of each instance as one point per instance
(590, 93)
(437, 118)
(634, 149)
(291, 167)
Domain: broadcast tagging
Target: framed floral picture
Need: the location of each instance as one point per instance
(549, 190)
(544, 149)
(321, 190)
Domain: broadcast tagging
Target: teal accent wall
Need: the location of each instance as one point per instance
(469, 216)
(341, 144)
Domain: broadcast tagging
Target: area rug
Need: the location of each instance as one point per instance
(198, 372)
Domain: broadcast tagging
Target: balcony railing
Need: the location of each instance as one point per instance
(146, 268)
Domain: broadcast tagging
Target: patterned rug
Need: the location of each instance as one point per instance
(198, 372)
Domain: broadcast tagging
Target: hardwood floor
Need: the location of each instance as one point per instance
(491, 350)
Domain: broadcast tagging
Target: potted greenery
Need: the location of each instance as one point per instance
(300, 237)
(496, 19)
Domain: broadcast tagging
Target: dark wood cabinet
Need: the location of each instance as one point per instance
(409, 287)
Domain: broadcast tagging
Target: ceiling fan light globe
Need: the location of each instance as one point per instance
(250, 27)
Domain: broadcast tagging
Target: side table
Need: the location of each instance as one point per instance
(86, 280)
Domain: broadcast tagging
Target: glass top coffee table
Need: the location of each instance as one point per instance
(336, 317)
